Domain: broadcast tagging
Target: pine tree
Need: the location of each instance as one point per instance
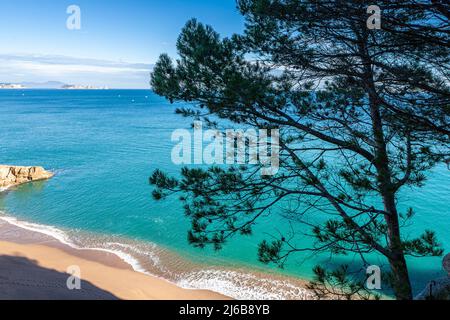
(362, 114)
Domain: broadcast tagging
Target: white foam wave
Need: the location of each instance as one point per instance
(46, 230)
(243, 286)
(64, 238)
(153, 258)
(4, 189)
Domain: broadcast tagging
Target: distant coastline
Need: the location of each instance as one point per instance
(50, 85)
(82, 87)
(11, 86)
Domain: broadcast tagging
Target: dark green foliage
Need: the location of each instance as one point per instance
(426, 245)
(362, 114)
(340, 284)
(270, 252)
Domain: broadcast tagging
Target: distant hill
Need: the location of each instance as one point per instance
(43, 85)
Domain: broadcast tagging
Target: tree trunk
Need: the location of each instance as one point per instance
(400, 276)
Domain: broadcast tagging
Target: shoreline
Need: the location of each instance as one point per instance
(39, 271)
(165, 266)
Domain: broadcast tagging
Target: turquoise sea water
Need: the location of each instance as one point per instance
(103, 146)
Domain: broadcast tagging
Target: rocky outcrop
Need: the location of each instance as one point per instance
(13, 175)
(436, 290)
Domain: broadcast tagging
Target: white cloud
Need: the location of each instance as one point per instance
(20, 68)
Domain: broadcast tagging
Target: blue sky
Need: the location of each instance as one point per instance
(117, 43)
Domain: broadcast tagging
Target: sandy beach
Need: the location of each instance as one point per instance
(37, 271)
(168, 270)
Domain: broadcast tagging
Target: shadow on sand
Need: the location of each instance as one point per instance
(24, 279)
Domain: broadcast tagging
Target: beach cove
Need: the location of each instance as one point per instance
(102, 147)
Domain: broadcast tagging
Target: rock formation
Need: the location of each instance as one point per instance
(438, 289)
(13, 175)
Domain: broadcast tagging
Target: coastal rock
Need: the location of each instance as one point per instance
(436, 290)
(14, 175)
